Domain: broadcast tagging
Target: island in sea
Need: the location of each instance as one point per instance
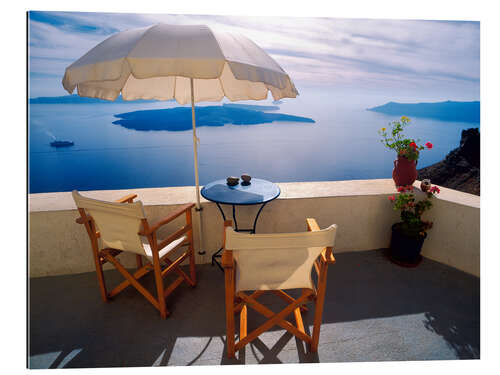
(179, 118)
(444, 111)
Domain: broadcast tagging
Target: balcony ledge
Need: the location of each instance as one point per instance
(360, 208)
(60, 201)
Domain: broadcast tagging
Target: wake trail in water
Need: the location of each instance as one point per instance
(50, 134)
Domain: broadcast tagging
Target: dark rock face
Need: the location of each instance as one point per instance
(460, 169)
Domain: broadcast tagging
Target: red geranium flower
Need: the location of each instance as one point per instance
(413, 145)
(401, 189)
(392, 198)
(428, 145)
(435, 189)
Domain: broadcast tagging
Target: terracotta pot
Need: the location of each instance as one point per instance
(404, 172)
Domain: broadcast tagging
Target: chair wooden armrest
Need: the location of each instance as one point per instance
(127, 199)
(227, 255)
(227, 259)
(81, 220)
(326, 254)
(178, 234)
(175, 214)
(328, 257)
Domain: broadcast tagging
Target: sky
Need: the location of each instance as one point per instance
(425, 60)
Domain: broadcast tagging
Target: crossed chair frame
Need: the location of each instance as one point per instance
(150, 232)
(238, 302)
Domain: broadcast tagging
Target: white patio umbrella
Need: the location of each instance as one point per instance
(182, 62)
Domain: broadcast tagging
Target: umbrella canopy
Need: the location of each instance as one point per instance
(182, 62)
(157, 62)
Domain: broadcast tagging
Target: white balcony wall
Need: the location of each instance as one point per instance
(57, 245)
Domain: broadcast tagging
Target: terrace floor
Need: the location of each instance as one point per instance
(374, 311)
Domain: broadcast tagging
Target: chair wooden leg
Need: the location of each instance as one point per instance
(100, 276)
(282, 322)
(298, 317)
(100, 279)
(141, 272)
(275, 319)
(318, 311)
(138, 259)
(175, 266)
(90, 227)
(243, 322)
(132, 281)
(229, 281)
(286, 297)
(254, 295)
(159, 289)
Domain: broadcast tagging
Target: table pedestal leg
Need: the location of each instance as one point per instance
(218, 253)
(257, 217)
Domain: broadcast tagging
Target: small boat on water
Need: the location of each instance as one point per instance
(62, 143)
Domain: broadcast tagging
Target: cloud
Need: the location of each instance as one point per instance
(314, 51)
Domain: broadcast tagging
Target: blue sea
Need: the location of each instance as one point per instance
(341, 144)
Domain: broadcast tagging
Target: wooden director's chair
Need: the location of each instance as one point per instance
(273, 263)
(121, 226)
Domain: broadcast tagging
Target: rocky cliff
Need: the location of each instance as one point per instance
(460, 169)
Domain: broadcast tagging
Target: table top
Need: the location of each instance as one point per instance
(258, 191)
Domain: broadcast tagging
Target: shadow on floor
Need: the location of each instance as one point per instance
(69, 325)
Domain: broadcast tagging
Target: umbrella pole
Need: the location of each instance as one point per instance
(196, 177)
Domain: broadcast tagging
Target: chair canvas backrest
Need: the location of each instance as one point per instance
(118, 223)
(276, 261)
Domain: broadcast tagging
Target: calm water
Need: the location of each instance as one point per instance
(343, 144)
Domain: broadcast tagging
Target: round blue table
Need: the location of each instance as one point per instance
(256, 192)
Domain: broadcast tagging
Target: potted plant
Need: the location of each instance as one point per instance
(407, 149)
(409, 234)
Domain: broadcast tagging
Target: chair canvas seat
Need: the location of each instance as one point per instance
(167, 249)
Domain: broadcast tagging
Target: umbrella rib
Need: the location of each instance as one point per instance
(175, 87)
(220, 81)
